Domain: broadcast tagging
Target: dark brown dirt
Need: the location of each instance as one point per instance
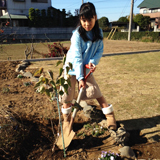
(29, 125)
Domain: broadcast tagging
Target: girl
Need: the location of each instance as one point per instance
(86, 48)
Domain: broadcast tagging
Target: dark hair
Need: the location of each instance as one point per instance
(88, 10)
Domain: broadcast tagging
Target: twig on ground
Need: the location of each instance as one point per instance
(4, 151)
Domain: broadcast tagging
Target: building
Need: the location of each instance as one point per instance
(15, 25)
(17, 10)
(151, 8)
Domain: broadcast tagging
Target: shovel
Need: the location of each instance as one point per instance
(68, 133)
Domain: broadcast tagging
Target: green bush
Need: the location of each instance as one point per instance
(139, 36)
(105, 34)
(31, 17)
(103, 22)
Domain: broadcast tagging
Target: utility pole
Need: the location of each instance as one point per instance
(130, 21)
(82, 1)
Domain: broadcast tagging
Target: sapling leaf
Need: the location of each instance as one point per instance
(37, 72)
(46, 80)
(67, 69)
(65, 88)
(42, 79)
(58, 81)
(58, 63)
(53, 84)
(61, 92)
(60, 71)
(62, 81)
(70, 65)
(40, 70)
(38, 84)
(69, 82)
(47, 92)
(50, 74)
(42, 89)
(64, 60)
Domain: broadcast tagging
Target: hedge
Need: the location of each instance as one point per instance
(145, 36)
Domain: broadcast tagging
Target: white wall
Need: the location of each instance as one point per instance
(39, 33)
(149, 11)
(32, 30)
(142, 9)
(23, 7)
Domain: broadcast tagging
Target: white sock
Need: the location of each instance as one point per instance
(107, 110)
(66, 110)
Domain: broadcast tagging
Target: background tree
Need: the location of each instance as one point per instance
(128, 17)
(31, 17)
(54, 17)
(63, 17)
(123, 19)
(76, 12)
(58, 18)
(37, 17)
(49, 22)
(103, 23)
(69, 19)
(142, 21)
(146, 22)
(43, 18)
(69, 14)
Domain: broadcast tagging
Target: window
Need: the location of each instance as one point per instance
(2, 3)
(154, 10)
(146, 11)
(40, 1)
(19, 0)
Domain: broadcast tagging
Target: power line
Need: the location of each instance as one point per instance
(123, 11)
(104, 8)
(112, 8)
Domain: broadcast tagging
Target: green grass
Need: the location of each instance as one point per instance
(129, 82)
(16, 51)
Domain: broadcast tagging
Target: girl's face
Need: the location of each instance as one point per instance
(88, 24)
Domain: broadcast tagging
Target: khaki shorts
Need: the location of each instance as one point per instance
(91, 91)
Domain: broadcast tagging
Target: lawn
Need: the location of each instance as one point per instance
(129, 82)
(17, 51)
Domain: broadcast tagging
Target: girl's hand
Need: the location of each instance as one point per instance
(81, 84)
(92, 67)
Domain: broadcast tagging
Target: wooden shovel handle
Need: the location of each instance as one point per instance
(75, 109)
(80, 92)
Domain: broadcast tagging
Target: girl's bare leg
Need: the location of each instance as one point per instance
(102, 101)
(66, 105)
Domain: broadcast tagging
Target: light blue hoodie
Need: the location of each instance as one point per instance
(81, 53)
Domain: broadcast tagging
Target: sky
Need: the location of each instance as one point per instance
(112, 9)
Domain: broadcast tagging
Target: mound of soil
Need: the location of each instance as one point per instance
(29, 126)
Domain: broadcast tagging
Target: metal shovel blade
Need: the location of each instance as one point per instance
(68, 133)
(68, 136)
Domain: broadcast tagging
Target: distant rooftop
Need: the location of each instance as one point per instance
(150, 4)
